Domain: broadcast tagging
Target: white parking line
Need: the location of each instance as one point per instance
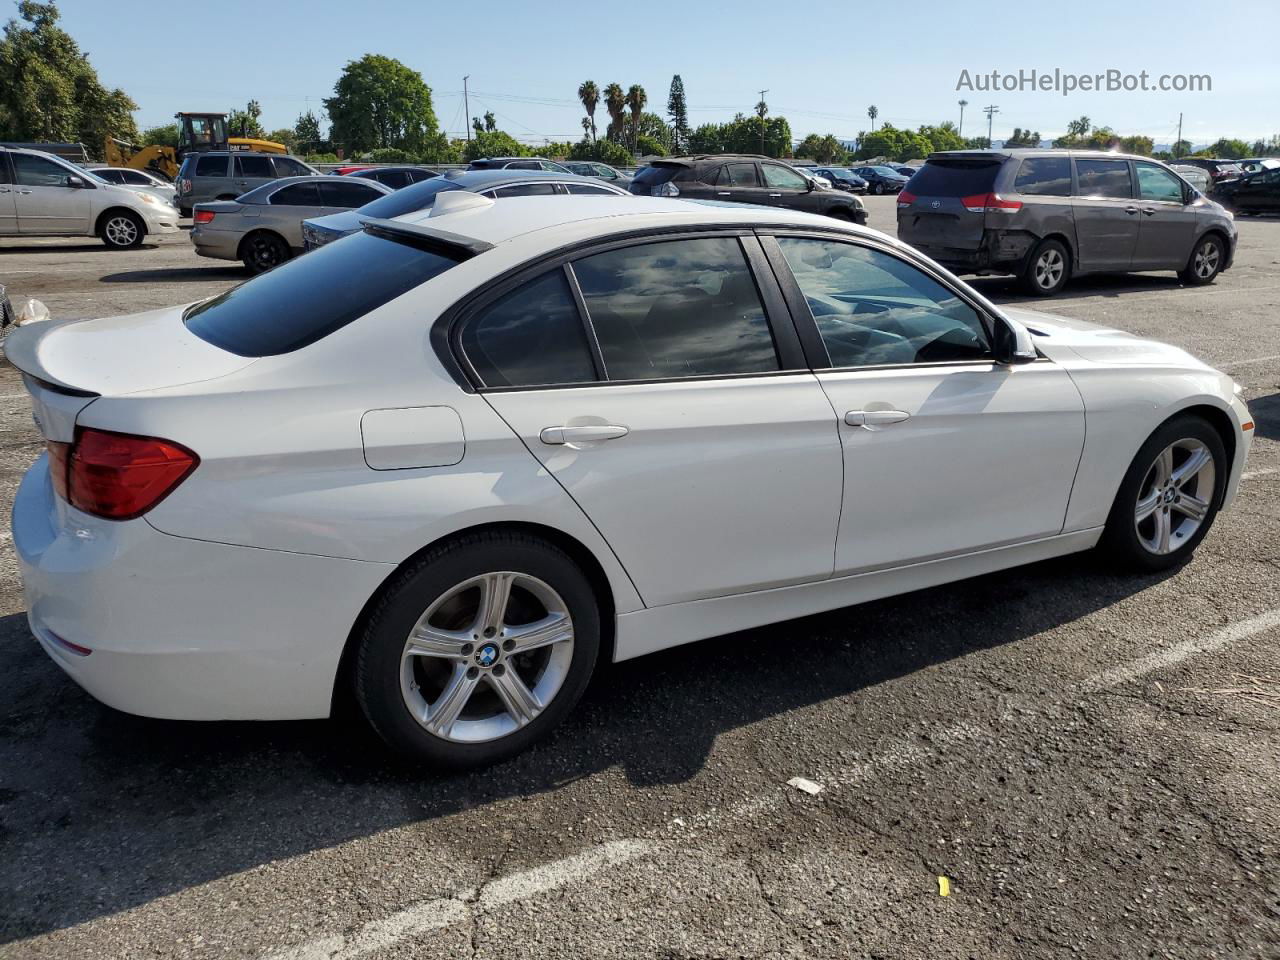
(1244, 363)
(437, 914)
(1251, 474)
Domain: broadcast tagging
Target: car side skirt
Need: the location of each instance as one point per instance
(657, 628)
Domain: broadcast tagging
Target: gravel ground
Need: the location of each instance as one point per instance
(1090, 760)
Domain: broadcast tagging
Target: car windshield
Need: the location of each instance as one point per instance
(409, 199)
(309, 298)
(886, 171)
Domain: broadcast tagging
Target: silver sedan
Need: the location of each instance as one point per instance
(264, 226)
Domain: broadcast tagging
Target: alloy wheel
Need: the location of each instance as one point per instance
(1175, 497)
(1206, 260)
(121, 231)
(265, 253)
(487, 657)
(1048, 269)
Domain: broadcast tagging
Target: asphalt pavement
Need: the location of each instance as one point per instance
(1085, 762)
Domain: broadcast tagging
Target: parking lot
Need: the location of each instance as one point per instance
(1088, 759)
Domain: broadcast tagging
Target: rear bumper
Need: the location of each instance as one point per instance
(183, 629)
(219, 244)
(999, 251)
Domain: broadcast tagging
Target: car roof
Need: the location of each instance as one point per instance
(372, 170)
(267, 189)
(496, 223)
(1021, 152)
(484, 179)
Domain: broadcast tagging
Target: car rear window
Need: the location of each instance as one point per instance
(657, 174)
(955, 177)
(211, 166)
(419, 196)
(306, 299)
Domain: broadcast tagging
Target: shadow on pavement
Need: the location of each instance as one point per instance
(177, 275)
(101, 812)
(1266, 416)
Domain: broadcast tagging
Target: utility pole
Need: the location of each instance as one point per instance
(466, 106)
(1177, 143)
(963, 104)
(762, 113)
(990, 111)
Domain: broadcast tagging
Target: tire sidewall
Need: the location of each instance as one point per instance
(250, 241)
(1029, 273)
(1121, 534)
(382, 642)
(1190, 273)
(137, 226)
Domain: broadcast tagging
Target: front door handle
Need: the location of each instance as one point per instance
(775, 195)
(875, 418)
(723, 193)
(1131, 211)
(25, 193)
(583, 434)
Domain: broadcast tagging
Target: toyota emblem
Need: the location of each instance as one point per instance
(936, 204)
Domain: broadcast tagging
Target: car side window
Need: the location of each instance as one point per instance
(111, 176)
(678, 308)
(737, 175)
(1044, 177)
(133, 176)
(532, 336)
(341, 192)
(254, 167)
(586, 188)
(288, 167)
(1156, 183)
(873, 309)
(297, 195)
(526, 190)
(1104, 178)
(208, 166)
(524, 165)
(33, 171)
(780, 177)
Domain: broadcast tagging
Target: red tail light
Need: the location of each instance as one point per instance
(906, 198)
(204, 216)
(990, 203)
(117, 476)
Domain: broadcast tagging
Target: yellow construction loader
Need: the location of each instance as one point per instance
(197, 132)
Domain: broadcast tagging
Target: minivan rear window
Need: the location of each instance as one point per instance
(306, 299)
(656, 175)
(958, 177)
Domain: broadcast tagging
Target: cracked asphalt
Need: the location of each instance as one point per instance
(1089, 758)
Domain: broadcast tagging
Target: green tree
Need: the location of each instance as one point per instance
(379, 102)
(872, 112)
(165, 135)
(742, 135)
(50, 91)
(605, 151)
(306, 132)
(944, 136)
(1023, 138)
(1079, 127)
(1138, 144)
(615, 102)
(589, 94)
(678, 113)
(636, 100)
(246, 122)
(490, 121)
(1181, 148)
(286, 136)
(1228, 149)
(825, 150)
(493, 143)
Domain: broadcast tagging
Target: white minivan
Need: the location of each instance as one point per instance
(44, 196)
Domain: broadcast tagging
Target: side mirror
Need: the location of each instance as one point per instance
(813, 184)
(1013, 342)
(75, 182)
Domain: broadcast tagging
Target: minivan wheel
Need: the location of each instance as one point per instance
(1205, 263)
(1048, 269)
(477, 650)
(262, 250)
(122, 230)
(1169, 497)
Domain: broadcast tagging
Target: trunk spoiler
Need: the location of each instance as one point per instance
(22, 349)
(431, 239)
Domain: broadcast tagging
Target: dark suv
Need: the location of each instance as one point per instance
(742, 178)
(1048, 215)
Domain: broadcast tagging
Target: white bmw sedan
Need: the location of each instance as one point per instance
(455, 461)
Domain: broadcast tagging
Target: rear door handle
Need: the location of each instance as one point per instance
(1149, 211)
(1131, 210)
(584, 434)
(775, 195)
(25, 193)
(724, 193)
(875, 418)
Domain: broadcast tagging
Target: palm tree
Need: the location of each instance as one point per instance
(636, 100)
(872, 113)
(589, 94)
(586, 127)
(615, 101)
(963, 104)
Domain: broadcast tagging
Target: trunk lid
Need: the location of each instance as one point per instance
(66, 365)
(935, 214)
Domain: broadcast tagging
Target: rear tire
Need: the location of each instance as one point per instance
(122, 230)
(1166, 503)
(263, 250)
(1205, 262)
(877, 189)
(1048, 269)
(443, 681)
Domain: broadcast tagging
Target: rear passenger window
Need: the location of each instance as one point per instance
(737, 175)
(526, 190)
(297, 195)
(586, 188)
(1044, 177)
(347, 193)
(873, 309)
(1104, 178)
(288, 167)
(211, 167)
(533, 336)
(681, 308)
(255, 167)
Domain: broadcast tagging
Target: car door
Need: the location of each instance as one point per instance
(1106, 216)
(251, 171)
(8, 207)
(44, 199)
(946, 451)
(1167, 227)
(674, 408)
(738, 182)
(784, 187)
(287, 207)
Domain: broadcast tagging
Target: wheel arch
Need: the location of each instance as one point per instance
(255, 232)
(576, 550)
(107, 213)
(1221, 422)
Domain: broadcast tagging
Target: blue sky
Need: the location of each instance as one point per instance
(822, 68)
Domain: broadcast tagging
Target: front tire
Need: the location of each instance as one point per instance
(478, 650)
(1169, 497)
(1205, 262)
(1048, 269)
(877, 189)
(122, 230)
